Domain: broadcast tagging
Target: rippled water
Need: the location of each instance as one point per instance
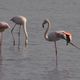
(37, 62)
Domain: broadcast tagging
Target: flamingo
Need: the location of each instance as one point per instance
(3, 27)
(57, 35)
(20, 20)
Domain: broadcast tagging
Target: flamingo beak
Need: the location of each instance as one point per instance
(10, 19)
(44, 23)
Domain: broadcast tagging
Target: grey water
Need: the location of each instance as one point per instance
(37, 61)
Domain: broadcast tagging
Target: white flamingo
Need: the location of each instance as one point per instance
(57, 35)
(22, 21)
(3, 27)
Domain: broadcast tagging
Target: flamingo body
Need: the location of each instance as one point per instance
(20, 20)
(3, 26)
(55, 36)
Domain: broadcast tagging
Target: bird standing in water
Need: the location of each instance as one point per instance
(57, 35)
(3, 27)
(22, 21)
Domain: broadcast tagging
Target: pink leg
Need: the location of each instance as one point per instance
(12, 34)
(1, 37)
(56, 54)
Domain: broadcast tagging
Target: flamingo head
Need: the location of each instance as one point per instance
(12, 19)
(44, 22)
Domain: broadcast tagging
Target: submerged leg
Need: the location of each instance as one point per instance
(26, 35)
(19, 36)
(12, 34)
(56, 54)
(1, 39)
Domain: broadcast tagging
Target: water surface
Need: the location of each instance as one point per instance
(37, 62)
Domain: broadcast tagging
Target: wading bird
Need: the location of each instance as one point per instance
(57, 35)
(22, 21)
(3, 27)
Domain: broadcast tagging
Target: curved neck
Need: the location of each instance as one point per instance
(46, 32)
(25, 32)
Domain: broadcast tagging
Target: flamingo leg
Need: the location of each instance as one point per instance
(56, 53)
(1, 37)
(12, 34)
(19, 36)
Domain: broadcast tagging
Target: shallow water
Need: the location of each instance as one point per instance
(37, 61)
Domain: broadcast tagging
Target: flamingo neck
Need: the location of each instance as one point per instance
(26, 34)
(46, 32)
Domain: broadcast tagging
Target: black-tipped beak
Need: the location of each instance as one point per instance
(10, 19)
(44, 23)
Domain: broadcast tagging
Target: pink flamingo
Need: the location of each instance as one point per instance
(3, 27)
(57, 35)
(20, 20)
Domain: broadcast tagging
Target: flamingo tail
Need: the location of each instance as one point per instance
(74, 45)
